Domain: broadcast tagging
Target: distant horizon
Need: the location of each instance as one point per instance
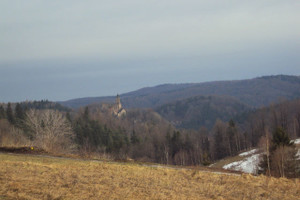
(123, 93)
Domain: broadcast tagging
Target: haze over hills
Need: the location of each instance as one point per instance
(254, 92)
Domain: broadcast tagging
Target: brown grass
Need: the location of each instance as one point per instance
(226, 161)
(32, 177)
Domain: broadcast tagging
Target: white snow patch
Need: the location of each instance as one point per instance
(211, 165)
(248, 165)
(298, 155)
(297, 141)
(247, 153)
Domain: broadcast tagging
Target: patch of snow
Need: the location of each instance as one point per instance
(297, 141)
(211, 165)
(248, 165)
(298, 155)
(248, 152)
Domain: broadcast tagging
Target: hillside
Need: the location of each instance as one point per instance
(32, 177)
(200, 111)
(255, 92)
(248, 162)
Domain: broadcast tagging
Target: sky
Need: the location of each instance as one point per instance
(65, 49)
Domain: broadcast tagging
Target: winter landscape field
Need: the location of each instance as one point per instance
(32, 177)
(194, 99)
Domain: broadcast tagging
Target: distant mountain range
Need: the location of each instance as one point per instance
(193, 105)
(255, 92)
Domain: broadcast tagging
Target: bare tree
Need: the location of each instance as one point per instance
(50, 129)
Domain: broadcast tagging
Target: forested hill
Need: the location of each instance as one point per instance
(195, 112)
(252, 92)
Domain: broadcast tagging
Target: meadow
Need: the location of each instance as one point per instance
(37, 177)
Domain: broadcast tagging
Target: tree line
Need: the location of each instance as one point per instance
(144, 135)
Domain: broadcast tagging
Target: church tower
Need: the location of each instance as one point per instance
(115, 109)
(118, 102)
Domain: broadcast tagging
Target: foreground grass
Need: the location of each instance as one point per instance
(31, 177)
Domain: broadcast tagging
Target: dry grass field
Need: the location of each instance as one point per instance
(32, 177)
(226, 161)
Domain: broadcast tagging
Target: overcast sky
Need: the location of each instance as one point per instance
(63, 49)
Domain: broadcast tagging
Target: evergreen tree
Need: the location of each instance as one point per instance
(19, 112)
(280, 138)
(168, 139)
(86, 113)
(109, 139)
(2, 112)
(134, 139)
(220, 150)
(232, 138)
(68, 116)
(176, 143)
(283, 162)
(19, 115)
(10, 114)
(188, 145)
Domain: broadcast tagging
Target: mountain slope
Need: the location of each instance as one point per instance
(200, 111)
(255, 92)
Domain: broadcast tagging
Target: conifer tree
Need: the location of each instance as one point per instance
(282, 158)
(280, 138)
(220, 151)
(10, 114)
(2, 112)
(176, 142)
(68, 116)
(19, 112)
(86, 113)
(19, 115)
(134, 139)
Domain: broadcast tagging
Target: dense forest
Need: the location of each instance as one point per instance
(144, 135)
(196, 112)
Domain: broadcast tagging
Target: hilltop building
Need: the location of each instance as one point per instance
(118, 110)
(115, 109)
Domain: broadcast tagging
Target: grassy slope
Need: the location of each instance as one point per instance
(31, 177)
(221, 163)
(226, 161)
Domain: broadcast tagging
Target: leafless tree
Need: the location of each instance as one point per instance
(50, 129)
(264, 144)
